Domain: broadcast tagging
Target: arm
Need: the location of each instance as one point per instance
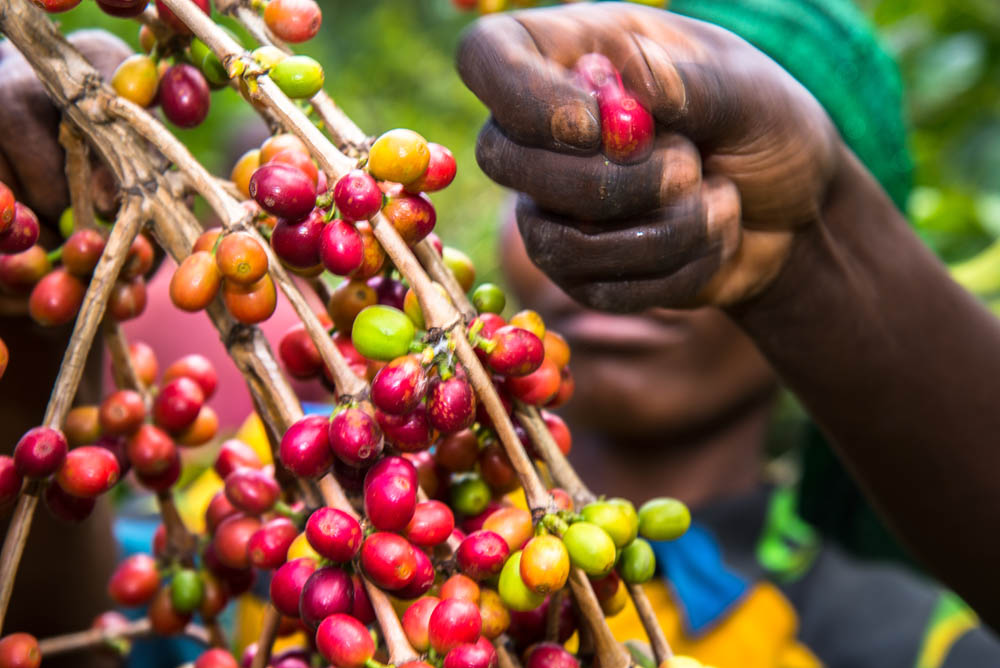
(752, 203)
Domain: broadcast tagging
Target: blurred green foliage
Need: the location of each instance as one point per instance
(389, 64)
(949, 54)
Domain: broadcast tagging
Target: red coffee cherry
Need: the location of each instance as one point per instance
(413, 216)
(341, 248)
(399, 386)
(252, 490)
(344, 641)
(357, 196)
(479, 654)
(515, 352)
(268, 546)
(550, 655)
(299, 354)
(415, 621)
(178, 403)
(10, 481)
(454, 622)
(196, 367)
(305, 447)
(134, 581)
(20, 650)
(234, 454)
(411, 432)
(40, 452)
(334, 534)
(457, 452)
(451, 405)
(231, 540)
(328, 591)
(81, 251)
(216, 658)
(67, 507)
(355, 437)
(440, 171)
(287, 583)
(184, 95)
(7, 207)
(482, 554)
(388, 560)
(56, 299)
(22, 232)
(390, 500)
(297, 240)
(283, 190)
(88, 471)
(423, 578)
(219, 508)
(431, 524)
(293, 21)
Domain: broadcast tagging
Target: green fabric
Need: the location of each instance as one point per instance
(831, 49)
(787, 545)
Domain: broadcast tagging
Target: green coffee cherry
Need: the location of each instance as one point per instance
(637, 563)
(663, 519)
(615, 519)
(470, 495)
(67, 222)
(513, 592)
(298, 77)
(590, 548)
(489, 298)
(382, 333)
(209, 64)
(268, 56)
(186, 591)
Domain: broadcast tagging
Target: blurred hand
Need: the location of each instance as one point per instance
(31, 159)
(742, 158)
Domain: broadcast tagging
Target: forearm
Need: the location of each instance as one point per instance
(901, 367)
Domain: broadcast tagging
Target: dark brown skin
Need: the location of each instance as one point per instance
(777, 223)
(60, 586)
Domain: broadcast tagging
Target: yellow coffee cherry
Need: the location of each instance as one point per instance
(400, 156)
(136, 79)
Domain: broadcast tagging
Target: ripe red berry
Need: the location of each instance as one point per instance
(451, 405)
(388, 560)
(482, 554)
(20, 650)
(232, 455)
(196, 367)
(297, 240)
(390, 500)
(461, 586)
(287, 583)
(56, 299)
(184, 95)
(305, 448)
(231, 540)
(328, 591)
(362, 609)
(219, 508)
(357, 195)
(178, 403)
(161, 482)
(82, 250)
(268, 546)
(10, 481)
(40, 452)
(440, 171)
(399, 386)
(252, 490)
(88, 471)
(150, 450)
(293, 21)
(538, 387)
(144, 361)
(341, 249)
(431, 524)
(344, 641)
(135, 581)
(411, 432)
(355, 437)
(139, 260)
(299, 354)
(516, 351)
(415, 621)
(334, 534)
(480, 654)
(216, 658)
(457, 452)
(20, 272)
(283, 190)
(163, 617)
(550, 655)
(122, 413)
(627, 128)
(7, 207)
(423, 578)
(454, 622)
(22, 232)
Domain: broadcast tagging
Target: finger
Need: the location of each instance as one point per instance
(591, 188)
(657, 245)
(534, 99)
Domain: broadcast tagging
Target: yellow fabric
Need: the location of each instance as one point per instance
(760, 633)
(942, 635)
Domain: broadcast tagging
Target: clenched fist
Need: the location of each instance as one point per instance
(742, 158)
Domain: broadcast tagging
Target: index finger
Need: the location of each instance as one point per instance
(535, 100)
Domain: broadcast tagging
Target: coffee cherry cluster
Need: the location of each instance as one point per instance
(119, 435)
(627, 128)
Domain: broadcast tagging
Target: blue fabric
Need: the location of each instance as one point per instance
(704, 588)
(312, 408)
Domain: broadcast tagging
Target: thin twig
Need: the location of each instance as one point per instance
(265, 640)
(78, 176)
(93, 638)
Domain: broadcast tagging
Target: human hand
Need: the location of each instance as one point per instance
(31, 159)
(742, 159)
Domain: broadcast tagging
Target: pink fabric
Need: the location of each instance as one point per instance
(174, 333)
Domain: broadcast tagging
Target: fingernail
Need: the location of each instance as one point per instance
(575, 125)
